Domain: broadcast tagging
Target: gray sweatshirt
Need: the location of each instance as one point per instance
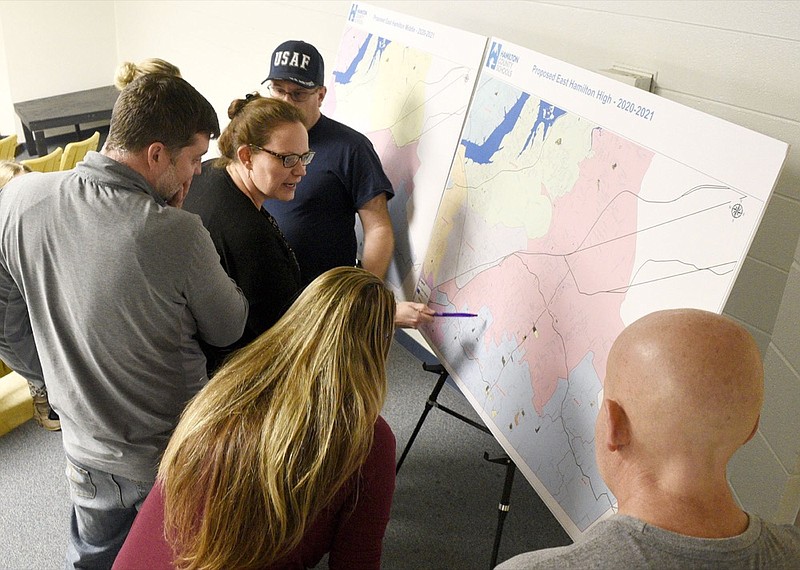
(118, 287)
(625, 542)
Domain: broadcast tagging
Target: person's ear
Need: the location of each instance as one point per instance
(321, 94)
(617, 429)
(245, 155)
(157, 156)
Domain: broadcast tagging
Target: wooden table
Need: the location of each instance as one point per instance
(37, 115)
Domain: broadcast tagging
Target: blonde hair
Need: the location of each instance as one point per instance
(128, 71)
(253, 121)
(9, 169)
(281, 427)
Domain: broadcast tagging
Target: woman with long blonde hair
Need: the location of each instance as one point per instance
(283, 456)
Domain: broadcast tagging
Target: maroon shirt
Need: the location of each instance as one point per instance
(351, 529)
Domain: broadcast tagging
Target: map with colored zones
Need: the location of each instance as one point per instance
(565, 219)
(406, 84)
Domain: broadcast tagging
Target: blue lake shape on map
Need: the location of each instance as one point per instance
(547, 116)
(344, 77)
(482, 153)
(383, 43)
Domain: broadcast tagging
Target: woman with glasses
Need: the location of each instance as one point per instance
(283, 456)
(264, 155)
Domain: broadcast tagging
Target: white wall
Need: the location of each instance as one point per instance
(6, 110)
(736, 60)
(223, 47)
(766, 473)
(50, 48)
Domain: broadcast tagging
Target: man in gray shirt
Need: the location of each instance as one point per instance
(116, 285)
(683, 391)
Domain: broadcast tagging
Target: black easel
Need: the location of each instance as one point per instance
(504, 459)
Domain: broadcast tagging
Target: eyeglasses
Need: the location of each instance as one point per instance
(298, 96)
(290, 160)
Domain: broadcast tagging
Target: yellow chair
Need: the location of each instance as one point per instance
(47, 163)
(75, 151)
(8, 147)
(16, 403)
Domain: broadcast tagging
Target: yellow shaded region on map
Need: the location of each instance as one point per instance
(519, 187)
(396, 93)
(450, 218)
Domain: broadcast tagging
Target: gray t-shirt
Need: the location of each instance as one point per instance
(626, 542)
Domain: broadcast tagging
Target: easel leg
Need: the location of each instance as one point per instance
(505, 502)
(503, 460)
(430, 403)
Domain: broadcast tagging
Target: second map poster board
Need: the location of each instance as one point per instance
(575, 205)
(406, 84)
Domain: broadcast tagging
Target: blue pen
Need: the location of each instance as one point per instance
(455, 314)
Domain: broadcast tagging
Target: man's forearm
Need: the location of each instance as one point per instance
(378, 249)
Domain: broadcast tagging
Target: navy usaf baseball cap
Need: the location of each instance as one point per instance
(298, 62)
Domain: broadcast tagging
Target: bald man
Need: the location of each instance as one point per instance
(683, 392)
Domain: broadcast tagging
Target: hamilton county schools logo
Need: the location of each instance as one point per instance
(357, 14)
(501, 61)
(494, 55)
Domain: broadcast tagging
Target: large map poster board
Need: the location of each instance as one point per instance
(406, 84)
(575, 205)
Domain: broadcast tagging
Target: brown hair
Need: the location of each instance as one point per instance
(253, 120)
(160, 108)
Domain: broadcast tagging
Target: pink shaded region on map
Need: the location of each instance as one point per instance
(570, 283)
(400, 163)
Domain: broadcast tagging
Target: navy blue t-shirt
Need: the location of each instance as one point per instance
(319, 223)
